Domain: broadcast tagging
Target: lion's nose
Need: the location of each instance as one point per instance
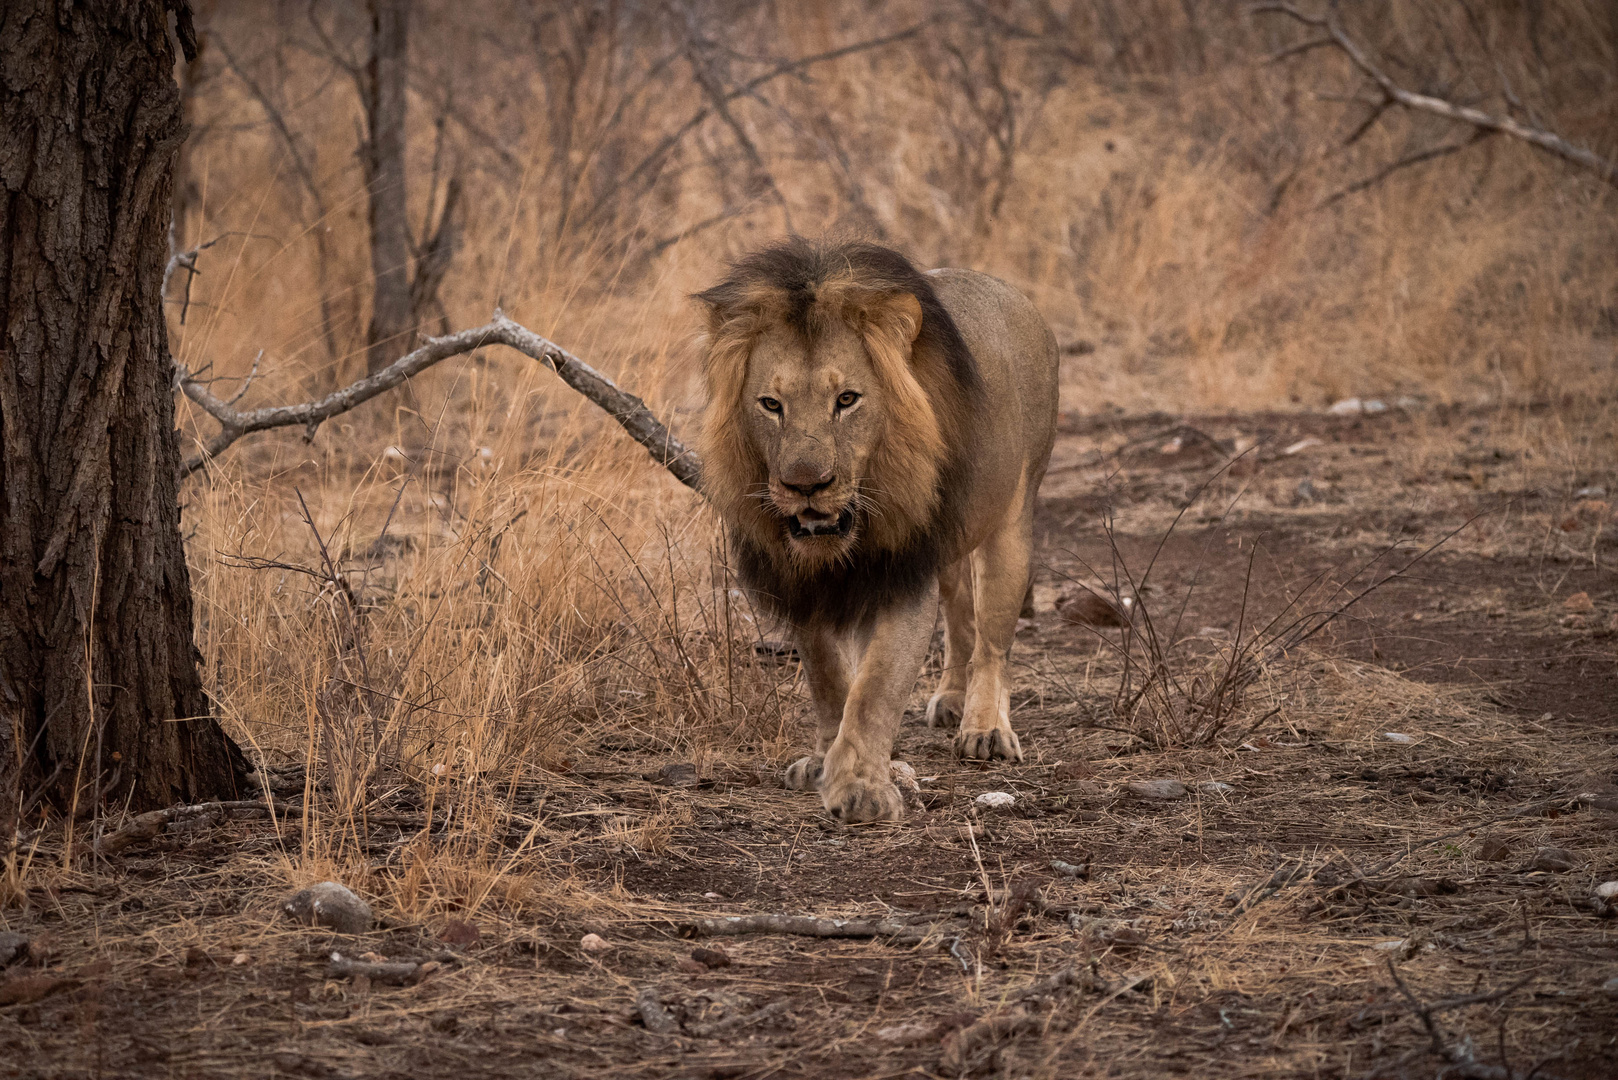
(806, 479)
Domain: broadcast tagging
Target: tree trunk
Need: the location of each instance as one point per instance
(388, 337)
(99, 687)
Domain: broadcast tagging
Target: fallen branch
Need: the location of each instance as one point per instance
(391, 972)
(150, 825)
(1460, 1054)
(1394, 94)
(630, 411)
(806, 926)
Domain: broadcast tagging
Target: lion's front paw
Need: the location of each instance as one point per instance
(853, 798)
(986, 745)
(804, 774)
(945, 708)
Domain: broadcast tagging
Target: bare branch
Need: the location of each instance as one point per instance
(150, 825)
(630, 411)
(1408, 160)
(1546, 140)
(806, 926)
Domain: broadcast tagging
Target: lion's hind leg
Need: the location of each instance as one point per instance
(1000, 571)
(948, 703)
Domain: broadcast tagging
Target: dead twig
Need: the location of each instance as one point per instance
(1393, 93)
(805, 926)
(391, 972)
(630, 411)
(150, 825)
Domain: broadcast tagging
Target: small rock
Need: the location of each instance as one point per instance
(1398, 737)
(714, 957)
(1578, 602)
(1073, 770)
(241, 959)
(460, 933)
(996, 800)
(1081, 607)
(1214, 787)
(331, 905)
(1493, 849)
(1372, 406)
(1157, 789)
(1552, 859)
(1607, 890)
(653, 1014)
(676, 774)
(1593, 492)
(1301, 445)
(1067, 869)
(13, 948)
(594, 943)
(1348, 406)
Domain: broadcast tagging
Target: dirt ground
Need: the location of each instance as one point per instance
(1393, 874)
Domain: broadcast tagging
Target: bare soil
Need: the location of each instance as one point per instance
(1260, 924)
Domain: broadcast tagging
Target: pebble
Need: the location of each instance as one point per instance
(1398, 737)
(13, 947)
(594, 943)
(996, 800)
(714, 957)
(1157, 789)
(1214, 787)
(1594, 492)
(678, 774)
(1346, 407)
(331, 905)
(1552, 859)
(1067, 869)
(1607, 890)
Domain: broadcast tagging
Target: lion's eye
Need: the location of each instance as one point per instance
(770, 404)
(846, 398)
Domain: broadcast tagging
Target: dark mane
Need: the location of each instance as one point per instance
(795, 272)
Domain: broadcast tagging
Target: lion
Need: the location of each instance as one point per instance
(874, 440)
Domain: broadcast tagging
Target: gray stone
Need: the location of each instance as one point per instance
(331, 905)
(1553, 859)
(1158, 789)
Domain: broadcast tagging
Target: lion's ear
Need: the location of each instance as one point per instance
(893, 315)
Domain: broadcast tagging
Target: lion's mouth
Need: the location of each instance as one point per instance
(811, 524)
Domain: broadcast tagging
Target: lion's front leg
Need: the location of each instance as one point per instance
(857, 784)
(828, 670)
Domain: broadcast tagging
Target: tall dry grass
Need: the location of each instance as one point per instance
(490, 577)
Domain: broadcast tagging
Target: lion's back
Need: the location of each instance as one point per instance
(1017, 357)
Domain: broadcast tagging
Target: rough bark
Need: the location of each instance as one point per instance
(387, 73)
(99, 686)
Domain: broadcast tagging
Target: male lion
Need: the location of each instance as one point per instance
(874, 440)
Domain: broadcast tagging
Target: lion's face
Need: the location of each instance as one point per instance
(814, 415)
